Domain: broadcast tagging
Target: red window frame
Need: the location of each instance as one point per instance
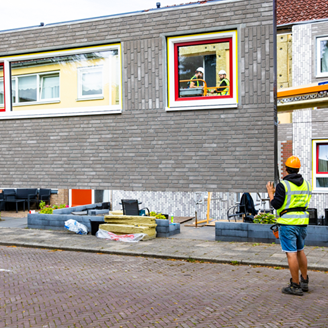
(176, 68)
(4, 88)
(317, 164)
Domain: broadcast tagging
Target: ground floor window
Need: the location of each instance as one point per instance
(320, 165)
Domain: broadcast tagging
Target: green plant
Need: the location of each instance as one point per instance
(158, 215)
(42, 204)
(46, 210)
(265, 218)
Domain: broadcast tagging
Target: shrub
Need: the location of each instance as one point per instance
(265, 218)
(46, 210)
(158, 215)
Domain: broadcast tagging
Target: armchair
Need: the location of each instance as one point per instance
(131, 207)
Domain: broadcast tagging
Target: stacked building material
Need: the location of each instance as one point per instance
(126, 224)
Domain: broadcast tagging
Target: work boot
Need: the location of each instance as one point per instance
(304, 283)
(293, 289)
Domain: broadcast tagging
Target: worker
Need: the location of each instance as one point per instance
(291, 198)
(224, 82)
(199, 73)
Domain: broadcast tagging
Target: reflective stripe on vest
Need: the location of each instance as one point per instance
(226, 90)
(191, 80)
(295, 197)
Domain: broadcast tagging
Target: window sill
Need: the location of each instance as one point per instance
(33, 103)
(320, 191)
(223, 106)
(59, 112)
(90, 98)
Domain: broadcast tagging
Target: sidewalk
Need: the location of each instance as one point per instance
(190, 244)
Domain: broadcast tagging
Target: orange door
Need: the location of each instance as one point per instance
(81, 197)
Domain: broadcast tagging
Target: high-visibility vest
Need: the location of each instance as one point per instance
(191, 80)
(226, 90)
(295, 197)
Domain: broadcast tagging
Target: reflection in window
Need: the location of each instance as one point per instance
(204, 69)
(90, 82)
(49, 86)
(58, 78)
(2, 90)
(27, 88)
(322, 183)
(324, 56)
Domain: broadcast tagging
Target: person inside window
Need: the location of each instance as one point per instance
(224, 83)
(199, 73)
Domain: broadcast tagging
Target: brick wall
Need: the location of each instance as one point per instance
(146, 148)
(60, 198)
(286, 151)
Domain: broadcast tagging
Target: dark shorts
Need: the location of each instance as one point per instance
(292, 238)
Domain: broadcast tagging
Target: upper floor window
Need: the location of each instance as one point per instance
(2, 90)
(65, 82)
(202, 71)
(322, 57)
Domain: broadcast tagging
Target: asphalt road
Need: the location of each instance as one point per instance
(49, 288)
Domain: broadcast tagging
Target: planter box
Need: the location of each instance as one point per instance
(261, 233)
(166, 229)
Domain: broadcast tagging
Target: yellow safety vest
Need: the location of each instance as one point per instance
(226, 90)
(295, 197)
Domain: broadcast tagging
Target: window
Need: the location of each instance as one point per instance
(202, 71)
(90, 84)
(35, 88)
(2, 90)
(61, 83)
(322, 57)
(320, 165)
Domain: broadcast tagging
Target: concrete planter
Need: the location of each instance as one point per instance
(166, 229)
(261, 233)
(56, 221)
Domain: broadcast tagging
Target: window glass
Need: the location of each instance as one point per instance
(27, 88)
(2, 90)
(2, 94)
(323, 53)
(91, 82)
(322, 165)
(50, 86)
(322, 183)
(204, 69)
(57, 78)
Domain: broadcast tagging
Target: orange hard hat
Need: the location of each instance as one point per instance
(293, 162)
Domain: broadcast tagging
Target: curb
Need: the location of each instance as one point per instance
(155, 255)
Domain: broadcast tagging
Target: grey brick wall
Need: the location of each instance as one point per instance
(146, 148)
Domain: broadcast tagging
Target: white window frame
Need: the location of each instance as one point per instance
(316, 189)
(319, 73)
(60, 112)
(80, 72)
(38, 90)
(172, 104)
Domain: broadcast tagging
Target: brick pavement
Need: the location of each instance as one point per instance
(47, 288)
(206, 250)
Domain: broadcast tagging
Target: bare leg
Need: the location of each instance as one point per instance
(293, 266)
(302, 261)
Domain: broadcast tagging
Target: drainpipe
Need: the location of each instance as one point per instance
(276, 170)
